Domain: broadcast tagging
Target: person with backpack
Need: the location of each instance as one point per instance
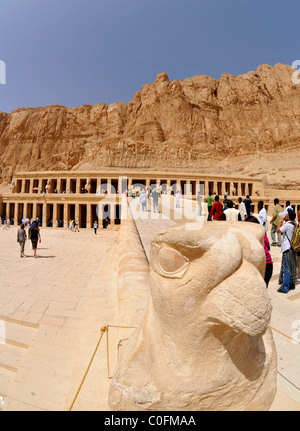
(288, 271)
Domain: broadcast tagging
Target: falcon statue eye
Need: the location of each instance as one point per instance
(171, 262)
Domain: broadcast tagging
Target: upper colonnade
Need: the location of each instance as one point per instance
(55, 197)
(97, 182)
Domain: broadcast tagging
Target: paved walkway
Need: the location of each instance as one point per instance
(285, 316)
(52, 310)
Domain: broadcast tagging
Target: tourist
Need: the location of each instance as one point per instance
(231, 213)
(248, 203)
(177, 199)
(95, 226)
(225, 202)
(242, 209)
(106, 222)
(5, 224)
(262, 215)
(298, 253)
(21, 238)
(269, 261)
(199, 204)
(287, 206)
(216, 212)
(143, 200)
(209, 200)
(76, 228)
(155, 196)
(288, 271)
(275, 220)
(34, 236)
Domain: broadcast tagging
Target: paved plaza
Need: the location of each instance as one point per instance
(52, 309)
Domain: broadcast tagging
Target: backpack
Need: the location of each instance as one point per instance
(295, 241)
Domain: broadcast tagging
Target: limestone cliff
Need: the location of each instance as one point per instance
(233, 124)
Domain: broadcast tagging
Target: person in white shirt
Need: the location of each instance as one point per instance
(262, 215)
(232, 214)
(242, 208)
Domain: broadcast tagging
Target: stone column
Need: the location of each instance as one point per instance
(16, 213)
(188, 188)
(77, 185)
(58, 184)
(68, 185)
(88, 215)
(54, 217)
(77, 212)
(100, 218)
(25, 209)
(31, 185)
(98, 185)
(109, 186)
(7, 215)
(206, 188)
(112, 213)
(34, 208)
(66, 215)
(44, 218)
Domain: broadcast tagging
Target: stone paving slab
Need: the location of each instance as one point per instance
(63, 297)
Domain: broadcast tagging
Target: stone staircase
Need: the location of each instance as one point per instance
(15, 339)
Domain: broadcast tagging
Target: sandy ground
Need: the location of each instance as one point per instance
(57, 304)
(66, 260)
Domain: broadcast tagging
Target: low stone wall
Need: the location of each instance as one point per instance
(133, 274)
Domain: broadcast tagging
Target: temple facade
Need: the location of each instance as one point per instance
(56, 197)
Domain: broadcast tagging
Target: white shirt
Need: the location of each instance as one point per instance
(262, 218)
(243, 211)
(287, 229)
(232, 214)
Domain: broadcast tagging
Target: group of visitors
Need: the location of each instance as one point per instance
(73, 225)
(5, 222)
(228, 210)
(283, 223)
(33, 235)
(144, 196)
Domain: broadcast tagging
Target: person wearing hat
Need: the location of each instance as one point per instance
(288, 271)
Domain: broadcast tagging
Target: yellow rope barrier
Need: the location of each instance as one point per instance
(102, 330)
(105, 329)
(287, 336)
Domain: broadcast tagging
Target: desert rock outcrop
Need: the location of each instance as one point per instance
(234, 123)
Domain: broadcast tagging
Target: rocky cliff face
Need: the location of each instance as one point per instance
(227, 125)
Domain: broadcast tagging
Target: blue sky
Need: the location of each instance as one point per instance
(72, 52)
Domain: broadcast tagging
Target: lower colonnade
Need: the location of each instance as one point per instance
(55, 198)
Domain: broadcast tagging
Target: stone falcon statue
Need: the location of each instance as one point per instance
(205, 342)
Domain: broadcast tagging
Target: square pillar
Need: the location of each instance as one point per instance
(44, 218)
(54, 217)
(88, 215)
(66, 221)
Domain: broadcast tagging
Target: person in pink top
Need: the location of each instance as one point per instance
(269, 261)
